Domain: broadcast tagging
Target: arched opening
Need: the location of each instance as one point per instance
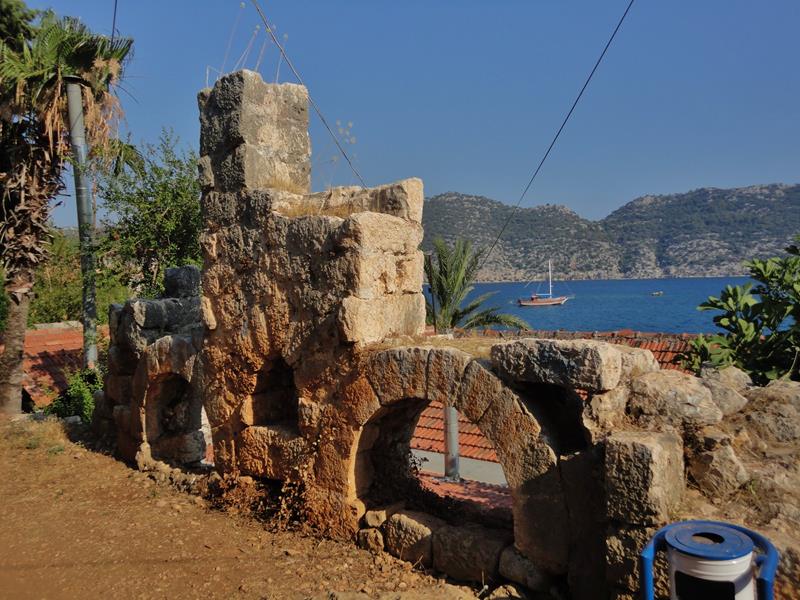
(558, 411)
(274, 399)
(174, 421)
(388, 469)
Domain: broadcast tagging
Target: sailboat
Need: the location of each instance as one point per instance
(544, 299)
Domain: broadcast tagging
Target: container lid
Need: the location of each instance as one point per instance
(708, 540)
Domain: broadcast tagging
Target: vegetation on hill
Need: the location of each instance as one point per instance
(760, 325)
(705, 232)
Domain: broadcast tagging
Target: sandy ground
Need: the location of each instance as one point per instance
(79, 524)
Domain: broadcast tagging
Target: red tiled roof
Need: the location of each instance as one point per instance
(429, 434)
(51, 354)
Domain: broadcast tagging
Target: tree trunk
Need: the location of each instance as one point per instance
(11, 361)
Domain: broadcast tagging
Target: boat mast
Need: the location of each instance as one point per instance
(550, 276)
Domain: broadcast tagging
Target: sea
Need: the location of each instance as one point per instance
(610, 305)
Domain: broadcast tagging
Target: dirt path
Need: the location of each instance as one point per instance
(78, 524)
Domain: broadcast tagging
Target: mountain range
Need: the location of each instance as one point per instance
(702, 233)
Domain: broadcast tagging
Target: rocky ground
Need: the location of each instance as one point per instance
(79, 524)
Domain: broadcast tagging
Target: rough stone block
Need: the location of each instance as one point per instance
(114, 316)
(731, 377)
(370, 539)
(469, 552)
(776, 392)
(636, 361)
(507, 592)
(374, 232)
(409, 536)
(479, 388)
(446, 368)
(376, 517)
(644, 476)
(364, 321)
(119, 388)
(583, 364)
(399, 373)
(673, 397)
(719, 472)
(726, 398)
(519, 569)
(624, 543)
(256, 134)
(269, 452)
(775, 423)
(402, 199)
(121, 360)
(182, 282)
(122, 418)
(606, 410)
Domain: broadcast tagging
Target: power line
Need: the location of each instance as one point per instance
(310, 99)
(114, 22)
(558, 133)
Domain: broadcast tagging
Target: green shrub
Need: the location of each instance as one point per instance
(58, 287)
(154, 219)
(78, 398)
(761, 324)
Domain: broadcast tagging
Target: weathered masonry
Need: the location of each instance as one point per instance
(271, 357)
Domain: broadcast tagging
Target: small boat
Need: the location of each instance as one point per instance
(657, 293)
(544, 299)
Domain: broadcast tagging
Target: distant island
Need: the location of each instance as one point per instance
(707, 232)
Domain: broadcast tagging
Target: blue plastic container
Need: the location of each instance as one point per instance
(709, 560)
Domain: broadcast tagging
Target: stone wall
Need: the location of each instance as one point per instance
(293, 283)
(594, 439)
(151, 400)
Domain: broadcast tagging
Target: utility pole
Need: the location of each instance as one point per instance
(451, 451)
(80, 151)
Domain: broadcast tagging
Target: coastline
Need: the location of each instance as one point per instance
(672, 277)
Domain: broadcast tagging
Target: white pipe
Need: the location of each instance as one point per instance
(451, 450)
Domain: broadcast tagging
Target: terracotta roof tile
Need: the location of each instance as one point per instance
(50, 354)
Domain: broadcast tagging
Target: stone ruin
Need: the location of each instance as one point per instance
(294, 356)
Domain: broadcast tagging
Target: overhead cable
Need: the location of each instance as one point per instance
(310, 98)
(558, 133)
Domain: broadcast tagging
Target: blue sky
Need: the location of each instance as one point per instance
(467, 94)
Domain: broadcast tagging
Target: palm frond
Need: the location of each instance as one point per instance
(450, 272)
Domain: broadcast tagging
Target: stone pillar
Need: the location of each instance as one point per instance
(294, 284)
(254, 135)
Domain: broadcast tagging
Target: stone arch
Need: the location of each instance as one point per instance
(167, 415)
(399, 382)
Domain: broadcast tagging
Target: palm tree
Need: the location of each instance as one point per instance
(450, 276)
(34, 148)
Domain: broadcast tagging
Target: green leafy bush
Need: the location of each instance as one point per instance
(58, 289)
(154, 216)
(78, 398)
(761, 323)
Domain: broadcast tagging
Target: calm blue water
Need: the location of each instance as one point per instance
(607, 305)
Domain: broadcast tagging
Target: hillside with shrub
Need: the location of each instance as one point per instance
(702, 233)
